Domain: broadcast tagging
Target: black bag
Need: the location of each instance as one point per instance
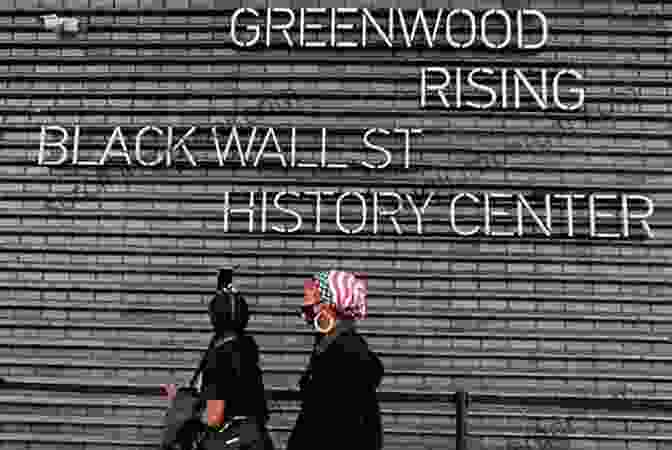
(182, 422)
(238, 434)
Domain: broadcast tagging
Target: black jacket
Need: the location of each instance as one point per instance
(339, 407)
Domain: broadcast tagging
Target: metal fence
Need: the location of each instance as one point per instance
(460, 398)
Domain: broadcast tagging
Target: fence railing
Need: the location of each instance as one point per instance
(460, 398)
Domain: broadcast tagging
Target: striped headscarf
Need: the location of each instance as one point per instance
(347, 291)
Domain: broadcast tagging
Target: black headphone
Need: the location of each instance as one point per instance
(225, 285)
(225, 278)
(226, 288)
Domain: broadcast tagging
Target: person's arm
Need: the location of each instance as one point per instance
(220, 380)
(216, 412)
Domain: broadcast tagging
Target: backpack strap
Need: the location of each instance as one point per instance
(203, 361)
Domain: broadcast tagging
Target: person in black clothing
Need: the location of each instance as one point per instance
(232, 381)
(339, 407)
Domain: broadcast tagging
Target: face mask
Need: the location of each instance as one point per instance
(311, 300)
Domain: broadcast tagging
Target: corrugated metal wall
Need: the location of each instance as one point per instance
(104, 272)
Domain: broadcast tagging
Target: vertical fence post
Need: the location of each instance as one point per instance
(461, 403)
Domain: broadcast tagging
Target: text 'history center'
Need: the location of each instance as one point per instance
(595, 215)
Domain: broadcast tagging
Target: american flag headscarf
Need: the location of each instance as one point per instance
(347, 291)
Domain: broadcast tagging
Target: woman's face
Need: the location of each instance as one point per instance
(309, 312)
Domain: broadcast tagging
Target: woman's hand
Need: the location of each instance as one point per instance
(169, 391)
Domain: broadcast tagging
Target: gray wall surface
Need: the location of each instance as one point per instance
(105, 272)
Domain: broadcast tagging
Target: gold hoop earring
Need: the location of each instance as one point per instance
(329, 329)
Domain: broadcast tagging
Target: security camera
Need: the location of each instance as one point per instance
(52, 22)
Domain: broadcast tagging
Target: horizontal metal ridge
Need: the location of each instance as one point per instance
(135, 176)
(390, 371)
(280, 44)
(350, 129)
(215, 235)
(368, 112)
(51, 397)
(490, 333)
(476, 430)
(553, 28)
(76, 439)
(479, 154)
(390, 351)
(436, 226)
(288, 272)
(422, 255)
(596, 375)
(446, 312)
(278, 57)
(326, 94)
(334, 75)
(277, 393)
(47, 290)
(613, 13)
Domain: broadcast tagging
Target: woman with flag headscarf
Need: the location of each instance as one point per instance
(339, 402)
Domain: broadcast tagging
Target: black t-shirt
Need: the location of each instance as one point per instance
(232, 374)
